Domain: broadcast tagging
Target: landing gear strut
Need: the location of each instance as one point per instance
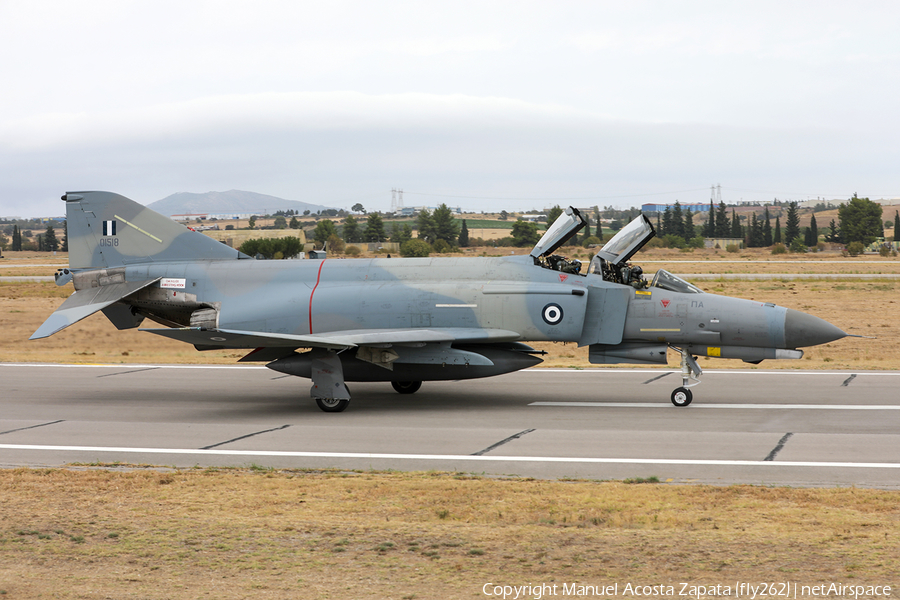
(690, 371)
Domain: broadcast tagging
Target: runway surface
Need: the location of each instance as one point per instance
(799, 428)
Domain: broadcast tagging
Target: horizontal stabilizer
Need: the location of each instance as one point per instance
(227, 338)
(86, 302)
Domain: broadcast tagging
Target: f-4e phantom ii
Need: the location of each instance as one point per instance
(407, 320)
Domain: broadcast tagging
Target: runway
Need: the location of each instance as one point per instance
(798, 428)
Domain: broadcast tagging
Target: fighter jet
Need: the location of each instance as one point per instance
(407, 320)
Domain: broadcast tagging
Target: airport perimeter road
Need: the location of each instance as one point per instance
(799, 428)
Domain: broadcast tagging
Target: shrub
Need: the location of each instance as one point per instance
(352, 251)
(731, 248)
(415, 248)
(855, 248)
(779, 248)
(798, 246)
(885, 250)
(591, 240)
(441, 247)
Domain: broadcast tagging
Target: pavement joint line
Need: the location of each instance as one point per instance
(779, 446)
(501, 442)
(128, 372)
(565, 404)
(243, 437)
(657, 377)
(452, 457)
(32, 426)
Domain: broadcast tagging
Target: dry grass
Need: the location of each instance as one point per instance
(266, 534)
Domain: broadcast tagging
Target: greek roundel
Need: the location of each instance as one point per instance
(552, 314)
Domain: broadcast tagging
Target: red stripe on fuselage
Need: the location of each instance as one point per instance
(319, 276)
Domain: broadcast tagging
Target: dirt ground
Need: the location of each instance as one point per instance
(257, 533)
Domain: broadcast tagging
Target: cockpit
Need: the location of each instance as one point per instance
(611, 261)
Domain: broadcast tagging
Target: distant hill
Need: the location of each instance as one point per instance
(233, 201)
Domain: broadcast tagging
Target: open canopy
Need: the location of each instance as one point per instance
(565, 226)
(628, 241)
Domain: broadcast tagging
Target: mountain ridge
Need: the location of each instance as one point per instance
(231, 201)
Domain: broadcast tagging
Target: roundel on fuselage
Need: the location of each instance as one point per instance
(552, 314)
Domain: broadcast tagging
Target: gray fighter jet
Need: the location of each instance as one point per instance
(406, 320)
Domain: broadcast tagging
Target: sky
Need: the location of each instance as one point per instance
(487, 105)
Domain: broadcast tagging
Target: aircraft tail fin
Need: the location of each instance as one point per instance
(106, 230)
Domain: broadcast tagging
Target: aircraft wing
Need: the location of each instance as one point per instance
(228, 338)
(86, 302)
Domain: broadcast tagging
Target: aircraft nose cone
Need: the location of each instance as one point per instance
(801, 329)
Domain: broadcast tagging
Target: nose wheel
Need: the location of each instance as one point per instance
(682, 396)
(690, 371)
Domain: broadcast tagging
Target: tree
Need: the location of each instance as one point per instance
(723, 225)
(860, 221)
(51, 244)
(426, 227)
(792, 225)
(689, 231)
(401, 233)
(352, 233)
(294, 224)
(677, 220)
(833, 235)
(280, 222)
(463, 235)
(754, 232)
(375, 228)
(599, 230)
(668, 222)
(896, 224)
(710, 231)
(16, 239)
(324, 229)
(767, 229)
(776, 237)
(445, 226)
(252, 223)
(65, 240)
(587, 228)
(811, 234)
(525, 234)
(553, 214)
(358, 208)
(736, 230)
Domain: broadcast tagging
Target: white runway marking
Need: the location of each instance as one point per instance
(701, 405)
(450, 457)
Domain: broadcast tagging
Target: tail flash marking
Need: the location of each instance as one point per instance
(109, 228)
(132, 225)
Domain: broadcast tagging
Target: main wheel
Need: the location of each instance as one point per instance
(332, 404)
(682, 396)
(407, 387)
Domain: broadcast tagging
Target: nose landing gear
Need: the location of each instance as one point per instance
(690, 371)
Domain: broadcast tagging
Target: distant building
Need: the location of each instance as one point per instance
(409, 211)
(697, 207)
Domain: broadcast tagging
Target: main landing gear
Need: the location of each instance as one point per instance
(406, 387)
(690, 371)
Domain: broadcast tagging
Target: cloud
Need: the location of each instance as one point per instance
(346, 145)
